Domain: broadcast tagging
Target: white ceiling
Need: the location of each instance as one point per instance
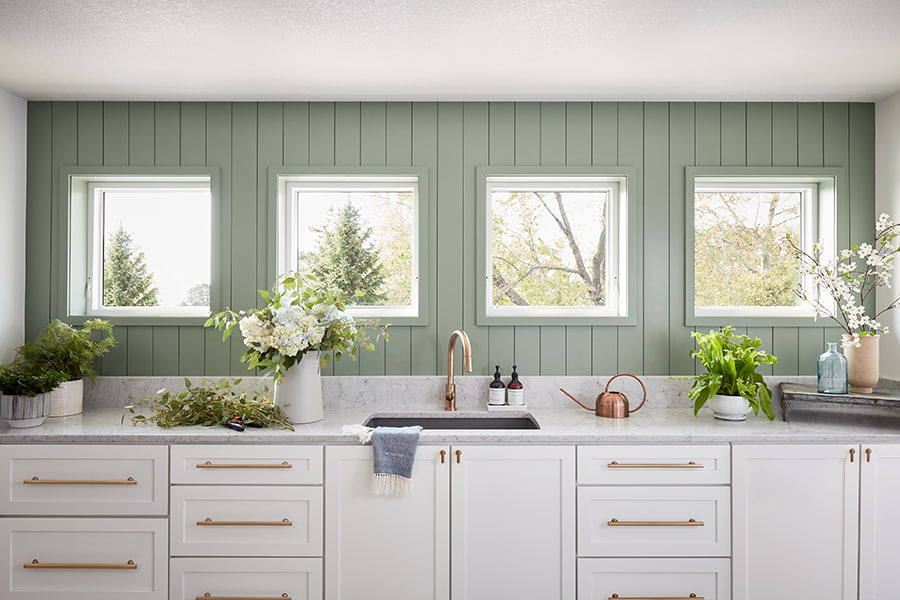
(846, 50)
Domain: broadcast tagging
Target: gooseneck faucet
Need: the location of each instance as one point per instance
(450, 395)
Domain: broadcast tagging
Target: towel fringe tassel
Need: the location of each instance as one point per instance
(384, 484)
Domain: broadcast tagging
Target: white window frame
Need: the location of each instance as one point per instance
(290, 185)
(81, 253)
(818, 225)
(96, 196)
(618, 240)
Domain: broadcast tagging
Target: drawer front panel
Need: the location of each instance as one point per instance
(84, 480)
(654, 521)
(246, 521)
(672, 578)
(83, 559)
(295, 578)
(243, 465)
(654, 465)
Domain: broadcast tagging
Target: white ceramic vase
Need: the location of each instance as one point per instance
(729, 408)
(300, 394)
(67, 398)
(862, 364)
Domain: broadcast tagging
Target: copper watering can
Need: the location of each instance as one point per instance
(612, 405)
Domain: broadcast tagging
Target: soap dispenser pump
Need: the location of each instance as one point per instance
(497, 392)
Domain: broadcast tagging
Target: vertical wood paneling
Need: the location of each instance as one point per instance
(425, 344)
(734, 134)
(40, 184)
(631, 152)
(450, 216)
(681, 153)
(475, 152)
(759, 134)
(219, 141)
(765, 337)
(655, 231)
(450, 140)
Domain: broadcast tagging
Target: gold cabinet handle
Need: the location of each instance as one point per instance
(210, 465)
(691, 597)
(458, 456)
(689, 465)
(443, 456)
(208, 596)
(868, 455)
(36, 481)
(209, 522)
(852, 454)
(688, 523)
(35, 564)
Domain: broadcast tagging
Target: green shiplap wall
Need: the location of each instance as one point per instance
(450, 139)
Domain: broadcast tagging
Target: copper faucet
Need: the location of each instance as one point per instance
(450, 395)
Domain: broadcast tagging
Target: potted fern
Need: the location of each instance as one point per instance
(71, 351)
(730, 385)
(25, 394)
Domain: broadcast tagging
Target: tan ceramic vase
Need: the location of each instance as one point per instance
(862, 364)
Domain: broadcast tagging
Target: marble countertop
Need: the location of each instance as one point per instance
(570, 425)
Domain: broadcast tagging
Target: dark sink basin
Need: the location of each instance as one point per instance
(455, 422)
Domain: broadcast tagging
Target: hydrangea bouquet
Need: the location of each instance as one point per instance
(299, 317)
(850, 278)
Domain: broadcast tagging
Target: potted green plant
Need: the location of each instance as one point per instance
(71, 351)
(730, 384)
(25, 394)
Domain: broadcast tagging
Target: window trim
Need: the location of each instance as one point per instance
(73, 253)
(281, 179)
(831, 194)
(627, 252)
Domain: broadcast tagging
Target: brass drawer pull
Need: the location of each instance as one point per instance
(35, 480)
(690, 465)
(282, 523)
(209, 465)
(691, 597)
(35, 564)
(688, 523)
(208, 596)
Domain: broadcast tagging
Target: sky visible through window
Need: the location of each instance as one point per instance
(172, 229)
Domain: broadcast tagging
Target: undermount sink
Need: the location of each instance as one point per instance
(455, 421)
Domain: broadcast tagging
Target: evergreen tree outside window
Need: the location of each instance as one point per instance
(150, 250)
(358, 235)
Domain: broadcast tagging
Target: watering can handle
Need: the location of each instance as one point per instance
(606, 389)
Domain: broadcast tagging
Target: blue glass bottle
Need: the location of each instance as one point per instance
(832, 370)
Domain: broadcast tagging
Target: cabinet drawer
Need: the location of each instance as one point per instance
(295, 578)
(246, 521)
(83, 559)
(84, 480)
(671, 578)
(242, 465)
(654, 521)
(654, 465)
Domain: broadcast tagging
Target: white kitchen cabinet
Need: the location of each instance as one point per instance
(795, 514)
(257, 578)
(83, 559)
(391, 547)
(879, 522)
(648, 578)
(507, 513)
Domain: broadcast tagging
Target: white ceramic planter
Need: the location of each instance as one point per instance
(67, 398)
(300, 394)
(24, 411)
(729, 408)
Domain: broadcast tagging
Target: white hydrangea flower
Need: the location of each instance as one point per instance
(257, 333)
